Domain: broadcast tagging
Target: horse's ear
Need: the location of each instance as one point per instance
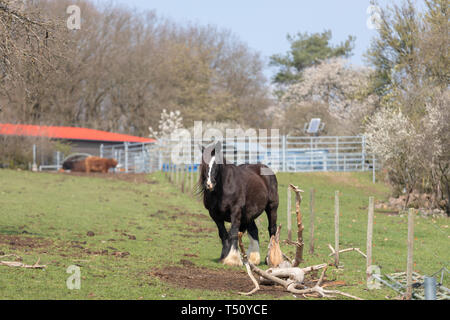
(217, 152)
(201, 147)
(218, 147)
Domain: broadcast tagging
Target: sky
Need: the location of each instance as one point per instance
(264, 24)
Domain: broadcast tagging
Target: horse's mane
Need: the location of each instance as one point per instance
(200, 187)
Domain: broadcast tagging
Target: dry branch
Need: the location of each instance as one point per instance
(333, 252)
(299, 251)
(20, 264)
(275, 256)
(247, 267)
(289, 278)
(291, 285)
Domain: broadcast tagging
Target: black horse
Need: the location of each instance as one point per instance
(237, 194)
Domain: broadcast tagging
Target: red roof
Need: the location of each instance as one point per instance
(70, 133)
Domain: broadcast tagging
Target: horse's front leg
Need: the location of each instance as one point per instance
(223, 234)
(253, 248)
(233, 257)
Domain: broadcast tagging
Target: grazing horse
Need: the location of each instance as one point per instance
(237, 194)
(96, 164)
(90, 164)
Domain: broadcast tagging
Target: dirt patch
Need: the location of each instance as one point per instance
(24, 242)
(189, 276)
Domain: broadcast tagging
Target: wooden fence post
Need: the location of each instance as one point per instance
(409, 265)
(336, 228)
(289, 214)
(311, 220)
(300, 243)
(198, 173)
(183, 175)
(191, 177)
(172, 173)
(369, 238)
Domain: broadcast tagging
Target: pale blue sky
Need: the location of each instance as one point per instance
(264, 24)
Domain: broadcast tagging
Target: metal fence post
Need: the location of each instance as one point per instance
(363, 153)
(101, 150)
(430, 288)
(34, 167)
(373, 169)
(160, 158)
(126, 156)
(58, 159)
(284, 153)
(337, 154)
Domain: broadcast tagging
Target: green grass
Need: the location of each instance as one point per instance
(56, 211)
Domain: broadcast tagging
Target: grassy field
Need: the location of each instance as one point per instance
(142, 239)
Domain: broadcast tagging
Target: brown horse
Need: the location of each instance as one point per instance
(90, 164)
(96, 164)
(237, 194)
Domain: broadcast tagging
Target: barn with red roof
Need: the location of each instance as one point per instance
(82, 140)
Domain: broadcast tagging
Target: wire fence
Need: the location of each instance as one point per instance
(284, 154)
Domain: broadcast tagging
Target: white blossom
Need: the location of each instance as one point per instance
(169, 122)
(341, 86)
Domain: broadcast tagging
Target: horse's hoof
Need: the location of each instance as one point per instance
(254, 258)
(233, 258)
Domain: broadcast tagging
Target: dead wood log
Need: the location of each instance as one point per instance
(299, 244)
(333, 252)
(274, 255)
(247, 267)
(294, 274)
(20, 264)
(289, 278)
(291, 285)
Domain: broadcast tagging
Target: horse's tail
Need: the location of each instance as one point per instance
(273, 188)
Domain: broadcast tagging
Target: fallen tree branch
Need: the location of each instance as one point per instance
(20, 264)
(255, 282)
(333, 252)
(294, 277)
(247, 267)
(299, 251)
(274, 255)
(291, 277)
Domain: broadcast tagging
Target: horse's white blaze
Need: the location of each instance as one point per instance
(211, 163)
(233, 258)
(253, 251)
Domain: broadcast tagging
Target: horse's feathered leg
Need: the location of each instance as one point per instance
(233, 257)
(253, 248)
